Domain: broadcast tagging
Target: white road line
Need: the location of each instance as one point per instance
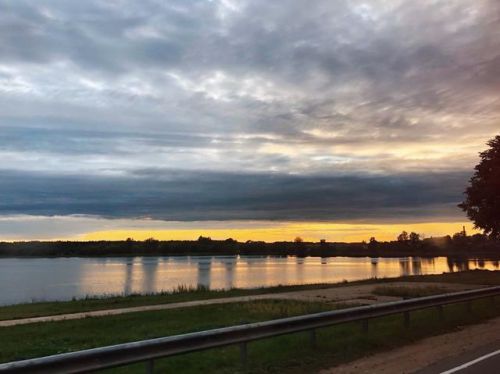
(470, 363)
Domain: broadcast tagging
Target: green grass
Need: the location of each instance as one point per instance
(335, 345)
(408, 292)
(290, 353)
(40, 339)
(182, 294)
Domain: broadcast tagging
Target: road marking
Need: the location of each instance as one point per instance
(470, 363)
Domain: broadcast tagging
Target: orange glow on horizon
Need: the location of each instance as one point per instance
(309, 231)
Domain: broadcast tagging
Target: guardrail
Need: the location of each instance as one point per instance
(149, 350)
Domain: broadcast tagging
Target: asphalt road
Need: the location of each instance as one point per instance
(484, 360)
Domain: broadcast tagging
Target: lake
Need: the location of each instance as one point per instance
(39, 279)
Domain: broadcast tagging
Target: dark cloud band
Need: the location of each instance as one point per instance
(180, 195)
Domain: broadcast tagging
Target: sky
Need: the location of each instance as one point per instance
(260, 120)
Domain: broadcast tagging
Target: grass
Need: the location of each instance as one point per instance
(40, 339)
(408, 292)
(290, 353)
(183, 293)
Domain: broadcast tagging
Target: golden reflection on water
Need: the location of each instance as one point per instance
(65, 278)
(154, 274)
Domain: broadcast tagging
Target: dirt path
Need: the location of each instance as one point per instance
(414, 357)
(361, 294)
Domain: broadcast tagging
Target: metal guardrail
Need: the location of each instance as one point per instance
(149, 350)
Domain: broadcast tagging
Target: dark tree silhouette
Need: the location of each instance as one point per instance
(414, 237)
(373, 243)
(482, 202)
(403, 237)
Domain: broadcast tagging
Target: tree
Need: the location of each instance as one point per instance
(403, 237)
(459, 237)
(298, 240)
(414, 237)
(373, 243)
(151, 243)
(482, 196)
(479, 238)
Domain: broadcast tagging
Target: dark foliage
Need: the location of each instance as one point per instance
(482, 203)
(459, 245)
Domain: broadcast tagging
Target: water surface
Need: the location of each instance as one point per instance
(37, 279)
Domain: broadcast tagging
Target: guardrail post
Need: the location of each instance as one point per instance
(468, 306)
(364, 325)
(406, 319)
(440, 312)
(243, 353)
(312, 338)
(150, 366)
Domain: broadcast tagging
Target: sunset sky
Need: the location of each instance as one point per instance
(252, 119)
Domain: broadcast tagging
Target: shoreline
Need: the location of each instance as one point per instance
(427, 248)
(182, 294)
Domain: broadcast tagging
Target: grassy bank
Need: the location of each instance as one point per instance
(25, 341)
(290, 353)
(182, 294)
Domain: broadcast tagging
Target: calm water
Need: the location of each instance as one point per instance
(29, 279)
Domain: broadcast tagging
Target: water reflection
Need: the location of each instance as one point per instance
(404, 264)
(204, 266)
(461, 264)
(64, 278)
(416, 266)
(229, 265)
(373, 267)
(129, 270)
(150, 270)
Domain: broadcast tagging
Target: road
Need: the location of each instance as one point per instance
(436, 355)
(482, 360)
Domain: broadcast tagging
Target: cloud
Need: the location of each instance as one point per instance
(196, 196)
(328, 102)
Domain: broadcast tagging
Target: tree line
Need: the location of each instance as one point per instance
(404, 245)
